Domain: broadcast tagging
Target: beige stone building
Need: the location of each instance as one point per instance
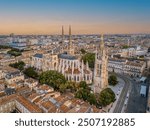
(101, 68)
(13, 77)
(123, 66)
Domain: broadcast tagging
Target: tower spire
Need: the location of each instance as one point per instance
(70, 46)
(62, 34)
(102, 43)
(70, 40)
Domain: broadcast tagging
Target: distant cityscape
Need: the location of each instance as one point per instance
(75, 73)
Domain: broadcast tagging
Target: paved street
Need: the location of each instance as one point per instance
(117, 90)
(122, 97)
(136, 103)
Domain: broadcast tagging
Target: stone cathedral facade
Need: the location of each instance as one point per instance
(73, 68)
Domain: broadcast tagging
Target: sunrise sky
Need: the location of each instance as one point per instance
(85, 16)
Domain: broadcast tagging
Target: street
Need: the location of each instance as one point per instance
(136, 103)
(122, 97)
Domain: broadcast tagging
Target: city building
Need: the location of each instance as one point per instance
(123, 66)
(13, 77)
(31, 83)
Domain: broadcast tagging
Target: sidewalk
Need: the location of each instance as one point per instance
(117, 90)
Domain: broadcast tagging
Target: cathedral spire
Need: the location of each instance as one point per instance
(70, 40)
(62, 34)
(70, 46)
(102, 43)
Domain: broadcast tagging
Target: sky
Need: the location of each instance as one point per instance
(85, 16)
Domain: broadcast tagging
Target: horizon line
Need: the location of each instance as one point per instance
(140, 33)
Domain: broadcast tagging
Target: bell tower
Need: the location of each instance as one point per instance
(101, 68)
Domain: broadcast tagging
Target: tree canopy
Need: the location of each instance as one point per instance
(30, 72)
(4, 47)
(125, 47)
(14, 52)
(112, 80)
(83, 51)
(18, 65)
(52, 78)
(106, 97)
(90, 57)
(84, 93)
(69, 85)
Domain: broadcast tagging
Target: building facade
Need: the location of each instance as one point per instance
(13, 77)
(100, 69)
(132, 68)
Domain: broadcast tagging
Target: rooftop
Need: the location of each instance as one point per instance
(27, 104)
(67, 56)
(38, 55)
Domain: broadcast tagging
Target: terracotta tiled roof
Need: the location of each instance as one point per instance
(47, 105)
(28, 105)
(64, 108)
(33, 96)
(8, 99)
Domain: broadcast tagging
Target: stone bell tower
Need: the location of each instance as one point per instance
(101, 68)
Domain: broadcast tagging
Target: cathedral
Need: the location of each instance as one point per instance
(73, 68)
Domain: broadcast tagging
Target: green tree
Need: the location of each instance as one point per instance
(82, 94)
(4, 47)
(83, 91)
(90, 57)
(112, 80)
(92, 99)
(72, 86)
(125, 47)
(18, 65)
(14, 52)
(69, 85)
(106, 97)
(30, 72)
(62, 88)
(52, 78)
(83, 85)
(83, 51)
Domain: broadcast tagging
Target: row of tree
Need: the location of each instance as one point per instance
(18, 65)
(4, 47)
(15, 52)
(81, 90)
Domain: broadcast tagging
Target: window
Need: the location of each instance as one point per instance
(74, 78)
(69, 77)
(78, 78)
(87, 77)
